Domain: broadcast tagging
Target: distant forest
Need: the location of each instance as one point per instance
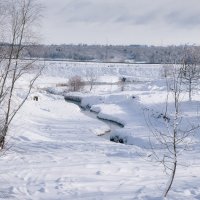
(110, 53)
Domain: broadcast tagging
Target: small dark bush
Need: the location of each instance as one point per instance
(76, 83)
(118, 139)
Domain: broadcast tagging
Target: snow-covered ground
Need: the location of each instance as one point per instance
(53, 151)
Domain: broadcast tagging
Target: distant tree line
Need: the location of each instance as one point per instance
(110, 53)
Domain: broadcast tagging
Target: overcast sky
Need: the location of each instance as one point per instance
(157, 22)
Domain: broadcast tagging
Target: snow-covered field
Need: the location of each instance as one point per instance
(53, 151)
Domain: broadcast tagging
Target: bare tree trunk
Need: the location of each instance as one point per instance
(190, 90)
(171, 179)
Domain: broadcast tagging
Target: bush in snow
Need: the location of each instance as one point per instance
(118, 139)
(76, 83)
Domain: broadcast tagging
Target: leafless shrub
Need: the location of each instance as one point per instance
(76, 83)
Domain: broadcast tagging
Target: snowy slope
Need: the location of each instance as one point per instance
(53, 151)
(55, 154)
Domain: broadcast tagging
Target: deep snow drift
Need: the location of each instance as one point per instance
(54, 153)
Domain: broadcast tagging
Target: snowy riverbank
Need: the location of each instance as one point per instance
(53, 151)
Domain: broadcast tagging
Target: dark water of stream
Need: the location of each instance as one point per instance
(112, 125)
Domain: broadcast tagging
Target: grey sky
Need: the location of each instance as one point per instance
(159, 22)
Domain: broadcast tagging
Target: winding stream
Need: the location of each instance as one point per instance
(112, 125)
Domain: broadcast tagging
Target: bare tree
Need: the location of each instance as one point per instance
(91, 77)
(20, 20)
(191, 69)
(172, 138)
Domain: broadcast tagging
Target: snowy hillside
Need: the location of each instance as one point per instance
(60, 150)
(68, 69)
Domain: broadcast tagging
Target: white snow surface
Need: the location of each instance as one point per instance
(53, 151)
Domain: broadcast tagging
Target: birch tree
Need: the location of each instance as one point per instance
(21, 17)
(169, 141)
